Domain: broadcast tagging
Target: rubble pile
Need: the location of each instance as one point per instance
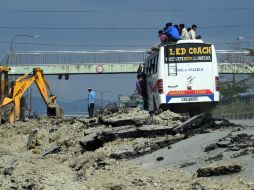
(48, 153)
(237, 145)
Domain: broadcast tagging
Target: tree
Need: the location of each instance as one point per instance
(251, 52)
(236, 84)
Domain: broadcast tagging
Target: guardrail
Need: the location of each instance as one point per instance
(234, 116)
(76, 114)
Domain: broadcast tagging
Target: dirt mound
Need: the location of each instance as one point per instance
(93, 153)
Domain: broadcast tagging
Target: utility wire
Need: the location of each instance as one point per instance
(73, 45)
(78, 28)
(116, 28)
(126, 11)
(92, 45)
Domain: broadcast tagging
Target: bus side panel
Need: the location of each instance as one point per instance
(151, 71)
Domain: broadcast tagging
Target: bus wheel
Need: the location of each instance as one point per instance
(163, 108)
(194, 112)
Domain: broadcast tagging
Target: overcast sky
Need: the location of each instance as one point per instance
(116, 24)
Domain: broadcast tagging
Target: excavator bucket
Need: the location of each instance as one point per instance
(55, 111)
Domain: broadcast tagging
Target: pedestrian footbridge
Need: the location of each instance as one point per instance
(102, 61)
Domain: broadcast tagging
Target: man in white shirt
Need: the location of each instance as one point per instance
(192, 32)
(184, 32)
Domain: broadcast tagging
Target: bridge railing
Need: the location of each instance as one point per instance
(73, 57)
(40, 58)
(5, 59)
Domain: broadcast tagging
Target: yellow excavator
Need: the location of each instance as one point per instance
(11, 97)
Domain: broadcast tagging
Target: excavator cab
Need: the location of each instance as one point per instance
(5, 111)
(4, 81)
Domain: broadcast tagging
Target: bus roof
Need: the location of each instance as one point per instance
(196, 41)
(189, 41)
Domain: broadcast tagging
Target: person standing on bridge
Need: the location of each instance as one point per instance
(91, 99)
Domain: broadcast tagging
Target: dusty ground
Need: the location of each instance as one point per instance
(55, 159)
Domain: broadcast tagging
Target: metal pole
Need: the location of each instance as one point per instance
(12, 40)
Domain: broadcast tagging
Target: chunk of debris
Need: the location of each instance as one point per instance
(210, 147)
(223, 123)
(89, 122)
(193, 123)
(116, 187)
(242, 153)
(215, 158)
(219, 168)
(222, 144)
(53, 150)
(166, 118)
(8, 171)
(133, 116)
(124, 154)
(32, 139)
(90, 142)
(133, 152)
(78, 163)
(96, 140)
(53, 129)
(160, 158)
(146, 131)
(186, 164)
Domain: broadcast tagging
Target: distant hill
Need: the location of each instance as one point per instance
(72, 106)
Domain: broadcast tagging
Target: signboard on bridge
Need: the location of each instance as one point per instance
(99, 69)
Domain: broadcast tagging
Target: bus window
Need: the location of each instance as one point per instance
(146, 68)
(153, 65)
(156, 64)
(150, 66)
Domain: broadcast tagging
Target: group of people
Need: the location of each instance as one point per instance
(173, 33)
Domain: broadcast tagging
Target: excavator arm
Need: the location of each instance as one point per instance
(53, 109)
(20, 86)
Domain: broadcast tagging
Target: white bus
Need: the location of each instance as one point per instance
(182, 77)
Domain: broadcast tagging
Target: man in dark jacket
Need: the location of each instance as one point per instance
(143, 88)
(172, 32)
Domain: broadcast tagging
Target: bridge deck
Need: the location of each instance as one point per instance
(225, 68)
(104, 61)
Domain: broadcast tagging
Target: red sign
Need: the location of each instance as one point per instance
(99, 69)
(189, 92)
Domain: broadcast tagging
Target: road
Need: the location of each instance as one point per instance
(248, 122)
(191, 150)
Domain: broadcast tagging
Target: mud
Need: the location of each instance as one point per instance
(102, 152)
